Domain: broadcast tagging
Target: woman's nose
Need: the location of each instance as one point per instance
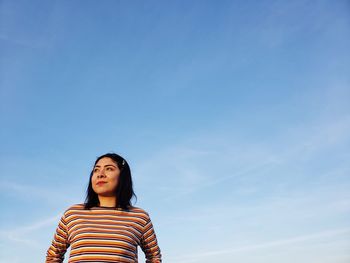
(101, 174)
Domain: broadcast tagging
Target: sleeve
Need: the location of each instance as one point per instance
(60, 243)
(149, 244)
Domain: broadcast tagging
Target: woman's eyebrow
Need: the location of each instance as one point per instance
(98, 166)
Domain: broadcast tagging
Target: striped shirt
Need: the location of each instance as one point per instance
(103, 234)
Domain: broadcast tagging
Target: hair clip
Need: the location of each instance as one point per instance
(123, 162)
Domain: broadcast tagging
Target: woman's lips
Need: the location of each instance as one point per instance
(100, 183)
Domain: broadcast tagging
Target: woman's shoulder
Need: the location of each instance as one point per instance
(74, 208)
(138, 210)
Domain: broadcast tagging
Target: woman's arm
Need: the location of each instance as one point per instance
(55, 253)
(149, 244)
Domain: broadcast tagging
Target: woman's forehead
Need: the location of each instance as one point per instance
(105, 161)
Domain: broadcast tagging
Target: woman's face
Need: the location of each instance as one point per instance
(105, 177)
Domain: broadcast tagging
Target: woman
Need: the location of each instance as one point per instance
(107, 228)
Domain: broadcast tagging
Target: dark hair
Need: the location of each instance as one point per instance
(124, 191)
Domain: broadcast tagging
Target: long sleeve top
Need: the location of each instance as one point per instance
(103, 234)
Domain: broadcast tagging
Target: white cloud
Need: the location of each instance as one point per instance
(204, 163)
(46, 194)
(205, 255)
(25, 234)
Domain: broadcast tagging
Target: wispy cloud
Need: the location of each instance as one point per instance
(325, 203)
(200, 165)
(24, 234)
(47, 194)
(197, 257)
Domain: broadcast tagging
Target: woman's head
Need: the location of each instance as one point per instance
(110, 176)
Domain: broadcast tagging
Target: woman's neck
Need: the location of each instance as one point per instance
(107, 201)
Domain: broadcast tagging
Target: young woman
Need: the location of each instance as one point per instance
(106, 228)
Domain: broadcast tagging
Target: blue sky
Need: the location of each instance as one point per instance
(234, 117)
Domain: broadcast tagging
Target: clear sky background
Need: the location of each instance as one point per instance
(233, 115)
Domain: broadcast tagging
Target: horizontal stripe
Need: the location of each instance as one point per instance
(104, 235)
